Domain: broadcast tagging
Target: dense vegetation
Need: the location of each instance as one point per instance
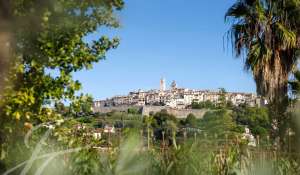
(163, 144)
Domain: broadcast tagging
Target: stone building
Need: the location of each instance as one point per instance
(179, 98)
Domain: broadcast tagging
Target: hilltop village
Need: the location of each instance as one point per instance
(178, 98)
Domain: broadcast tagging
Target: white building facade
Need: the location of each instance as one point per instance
(179, 97)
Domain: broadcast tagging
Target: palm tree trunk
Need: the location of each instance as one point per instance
(276, 87)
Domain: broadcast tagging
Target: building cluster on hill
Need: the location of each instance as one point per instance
(179, 98)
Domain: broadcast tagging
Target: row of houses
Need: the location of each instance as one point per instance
(179, 97)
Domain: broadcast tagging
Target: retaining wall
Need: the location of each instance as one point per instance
(146, 110)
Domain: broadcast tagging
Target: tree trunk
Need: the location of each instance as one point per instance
(280, 101)
(272, 82)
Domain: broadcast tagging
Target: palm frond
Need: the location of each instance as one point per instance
(260, 11)
(258, 54)
(240, 36)
(237, 10)
(285, 36)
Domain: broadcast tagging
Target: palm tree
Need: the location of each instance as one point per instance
(266, 33)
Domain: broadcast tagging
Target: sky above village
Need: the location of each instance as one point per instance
(181, 40)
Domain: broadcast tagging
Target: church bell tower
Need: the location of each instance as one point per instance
(162, 86)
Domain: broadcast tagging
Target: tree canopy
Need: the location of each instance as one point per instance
(46, 46)
(191, 120)
(267, 33)
(217, 122)
(255, 118)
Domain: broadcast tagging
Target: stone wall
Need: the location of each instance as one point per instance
(122, 108)
(179, 113)
(146, 110)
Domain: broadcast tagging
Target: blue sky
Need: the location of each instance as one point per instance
(179, 40)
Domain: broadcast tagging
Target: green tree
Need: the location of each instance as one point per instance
(218, 122)
(191, 120)
(266, 32)
(167, 123)
(133, 111)
(162, 117)
(47, 47)
(203, 105)
(81, 106)
(255, 118)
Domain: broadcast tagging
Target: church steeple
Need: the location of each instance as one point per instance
(162, 86)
